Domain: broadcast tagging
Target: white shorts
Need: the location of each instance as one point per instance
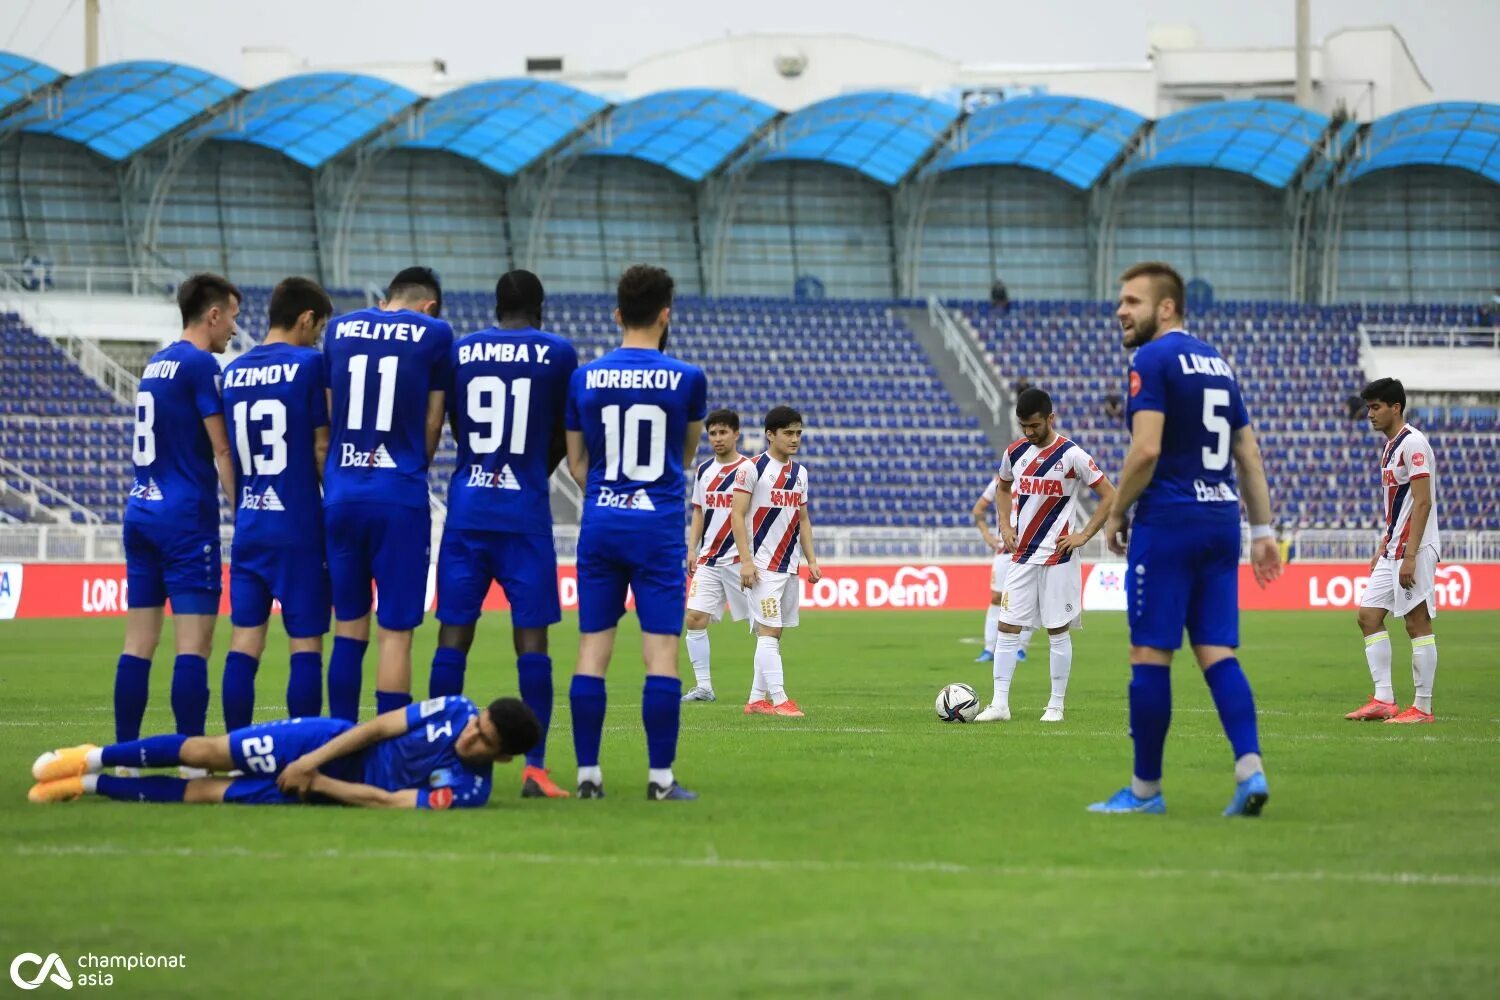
(1042, 596)
(998, 569)
(775, 599)
(1385, 591)
(711, 587)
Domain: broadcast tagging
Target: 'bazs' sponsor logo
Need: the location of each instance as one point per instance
(502, 479)
(624, 501)
(351, 457)
(1451, 586)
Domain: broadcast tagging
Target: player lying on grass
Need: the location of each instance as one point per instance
(433, 755)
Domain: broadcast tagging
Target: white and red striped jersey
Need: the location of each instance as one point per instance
(713, 493)
(1406, 457)
(1045, 483)
(989, 495)
(775, 513)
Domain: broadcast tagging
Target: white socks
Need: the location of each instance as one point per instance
(1062, 666)
(697, 647)
(94, 760)
(1007, 646)
(1423, 669)
(661, 776)
(991, 625)
(768, 668)
(594, 774)
(1247, 765)
(1378, 656)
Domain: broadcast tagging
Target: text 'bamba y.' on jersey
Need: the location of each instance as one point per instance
(714, 493)
(1045, 483)
(776, 505)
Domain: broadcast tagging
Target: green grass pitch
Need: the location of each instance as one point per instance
(865, 850)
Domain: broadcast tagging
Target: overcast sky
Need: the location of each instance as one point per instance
(1455, 42)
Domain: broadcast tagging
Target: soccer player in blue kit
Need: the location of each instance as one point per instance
(1187, 419)
(510, 387)
(276, 401)
(438, 754)
(633, 422)
(171, 535)
(388, 374)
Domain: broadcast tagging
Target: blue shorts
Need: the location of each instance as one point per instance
(525, 565)
(163, 561)
(264, 750)
(384, 544)
(653, 567)
(1184, 574)
(295, 575)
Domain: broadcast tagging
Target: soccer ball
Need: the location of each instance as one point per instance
(957, 703)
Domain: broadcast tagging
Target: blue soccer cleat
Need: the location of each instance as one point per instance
(985, 657)
(672, 792)
(1250, 796)
(591, 790)
(1126, 801)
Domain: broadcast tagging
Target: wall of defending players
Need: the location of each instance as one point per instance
(65, 590)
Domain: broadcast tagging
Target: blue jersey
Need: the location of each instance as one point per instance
(1183, 378)
(175, 478)
(274, 398)
(381, 367)
(425, 757)
(510, 388)
(633, 406)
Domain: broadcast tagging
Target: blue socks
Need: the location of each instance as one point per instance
(190, 694)
(1150, 715)
(661, 712)
(588, 700)
(346, 667)
(239, 689)
(132, 687)
(535, 674)
(1236, 705)
(448, 674)
(155, 789)
(304, 688)
(389, 701)
(153, 751)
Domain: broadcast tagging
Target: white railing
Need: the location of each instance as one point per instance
(970, 357)
(89, 356)
(101, 543)
(34, 491)
(35, 276)
(1420, 335)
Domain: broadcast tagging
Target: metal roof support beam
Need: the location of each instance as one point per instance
(720, 197)
(909, 204)
(536, 186)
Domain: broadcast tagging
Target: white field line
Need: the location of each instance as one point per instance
(713, 862)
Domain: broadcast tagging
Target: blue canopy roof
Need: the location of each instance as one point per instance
(313, 117)
(1465, 135)
(504, 124)
(21, 77)
(1072, 138)
(881, 134)
(689, 132)
(120, 109)
(1267, 140)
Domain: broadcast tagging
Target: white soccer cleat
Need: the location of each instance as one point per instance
(701, 693)
(190, 773)
(127, 772)
(1052, 715)
(995, 713)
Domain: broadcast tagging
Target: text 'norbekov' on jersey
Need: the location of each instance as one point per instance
(381, 368)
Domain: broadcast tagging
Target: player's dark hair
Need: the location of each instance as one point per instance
(1033, 402)
(295, 296)
(517, 725)
(724, 416)
(519, 295)
(417, 280)
(1389, 391)
(780, 418)
(1165, 279)
(202, 292)
(644, 291)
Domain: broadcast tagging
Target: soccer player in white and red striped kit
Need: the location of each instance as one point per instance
(1044, 586)
(1403, 572)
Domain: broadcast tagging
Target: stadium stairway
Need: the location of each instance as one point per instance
(999, 432)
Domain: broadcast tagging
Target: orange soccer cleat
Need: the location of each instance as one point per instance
(762, 707)
(1374, 710)
(789, 709)
(65, 762)
(537, 783)
(62, 790)
(1411, 715)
